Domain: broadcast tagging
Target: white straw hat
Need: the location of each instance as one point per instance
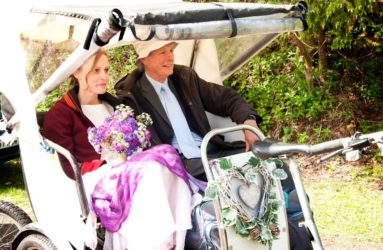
(143, 48)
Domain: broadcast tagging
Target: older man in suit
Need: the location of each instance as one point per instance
(177, 98)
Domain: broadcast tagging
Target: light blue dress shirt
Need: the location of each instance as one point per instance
(157, 87)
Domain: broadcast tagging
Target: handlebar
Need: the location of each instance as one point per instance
(218, 131)
(267, 148)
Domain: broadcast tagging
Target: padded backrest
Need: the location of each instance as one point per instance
(202, 57)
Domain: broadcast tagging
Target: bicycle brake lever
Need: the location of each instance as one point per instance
(357, 143)
(328, 156)
(332, 154)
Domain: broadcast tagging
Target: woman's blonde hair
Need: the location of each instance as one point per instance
(73, 80)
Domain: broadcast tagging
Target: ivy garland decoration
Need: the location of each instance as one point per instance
(253, 212)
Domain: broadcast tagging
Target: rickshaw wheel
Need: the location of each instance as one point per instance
(12, 219)
(36, 242)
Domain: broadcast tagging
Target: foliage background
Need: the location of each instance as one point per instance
(344, 46)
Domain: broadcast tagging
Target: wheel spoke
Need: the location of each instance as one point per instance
(12, 219)
(7, 232)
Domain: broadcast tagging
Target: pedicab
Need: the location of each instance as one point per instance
(215, 39)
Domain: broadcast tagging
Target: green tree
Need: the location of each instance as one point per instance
(344, 26)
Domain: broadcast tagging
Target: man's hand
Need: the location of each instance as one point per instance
(250, 137)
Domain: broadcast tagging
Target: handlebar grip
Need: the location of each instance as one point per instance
(325, 147)
(267, 148)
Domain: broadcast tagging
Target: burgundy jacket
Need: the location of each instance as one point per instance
(66, 125)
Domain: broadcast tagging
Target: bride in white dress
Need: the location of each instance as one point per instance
(144, 202)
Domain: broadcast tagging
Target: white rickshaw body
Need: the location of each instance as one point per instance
(214, 39)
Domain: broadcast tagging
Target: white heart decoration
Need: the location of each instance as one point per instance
(250, 194)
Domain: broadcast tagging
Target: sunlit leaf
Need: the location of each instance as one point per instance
(211, 192)
(241, 227)
(279, 173)
(225, 164)
(229, 216)
(252, 176)
(254, 162)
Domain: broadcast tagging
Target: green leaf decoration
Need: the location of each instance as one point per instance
(251, 176)
(254, 162)
(241, 228)
(274, 206)
(229, 216)
(211, 192)
(225, 164)
(279, 173)
(274, 161)
(266, 234)
(252, 224)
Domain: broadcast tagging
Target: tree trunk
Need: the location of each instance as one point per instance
(322, 54)
(308, 61)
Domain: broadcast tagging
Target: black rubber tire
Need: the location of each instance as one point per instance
(36, 242)
(12, 219)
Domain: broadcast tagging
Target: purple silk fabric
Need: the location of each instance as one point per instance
(112, 196)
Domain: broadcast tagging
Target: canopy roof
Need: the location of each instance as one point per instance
(177, 12)
(172, 20)
(249, 26)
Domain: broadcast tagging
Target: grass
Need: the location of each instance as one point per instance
(12, 187)
(353, 209)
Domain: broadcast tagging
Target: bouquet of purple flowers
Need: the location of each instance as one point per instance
(121, 132)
